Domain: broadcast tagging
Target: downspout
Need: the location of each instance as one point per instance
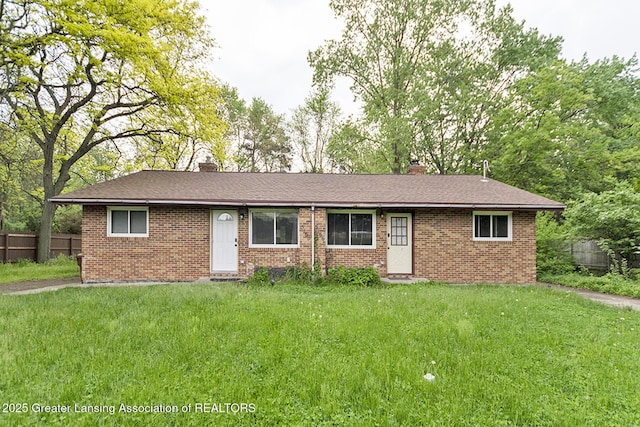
(313, 242)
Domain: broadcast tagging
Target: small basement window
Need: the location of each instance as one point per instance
(128, 222)
(492, 226)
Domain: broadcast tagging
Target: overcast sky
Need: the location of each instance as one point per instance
(263, 44)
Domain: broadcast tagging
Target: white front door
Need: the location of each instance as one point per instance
(224, 241)
(399, 243)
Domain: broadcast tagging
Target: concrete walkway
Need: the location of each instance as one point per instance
(25, 288)
(607, 299)
(34, 287)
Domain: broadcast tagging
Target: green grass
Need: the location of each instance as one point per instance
(24, 271)
(313, 356)
(609, 283)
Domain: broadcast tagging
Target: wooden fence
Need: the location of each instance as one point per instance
(16, 245)
(588, 253)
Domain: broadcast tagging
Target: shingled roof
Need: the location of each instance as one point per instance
(299, 189)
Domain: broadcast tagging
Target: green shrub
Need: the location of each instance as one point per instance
(551, 242)
(343, 276)
(300, 274)
(260, 277)
(553, 265)
(610, 218)
(294, 275)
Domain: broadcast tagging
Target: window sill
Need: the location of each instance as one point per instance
(274, 246)
(351, 247)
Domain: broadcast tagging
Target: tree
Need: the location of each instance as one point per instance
(20, 183)
(255, 133)
(311, 127)
(571, 128)
(611, 218)
(350, 150)
(197, 131)
(264, 146)
(80, 74)
(430, 74)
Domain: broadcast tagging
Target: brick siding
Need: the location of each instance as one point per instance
(376, 257)
(444, 249)
(178, 248)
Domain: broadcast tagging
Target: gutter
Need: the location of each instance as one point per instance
(366, 205)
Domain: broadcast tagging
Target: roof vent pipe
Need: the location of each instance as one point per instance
(485, 168)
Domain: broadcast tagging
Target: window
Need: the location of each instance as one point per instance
(274, 228)
(492, 226)
(399, 231)
(127, 222)
(350, 229)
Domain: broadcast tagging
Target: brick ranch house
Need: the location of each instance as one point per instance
(186, 226)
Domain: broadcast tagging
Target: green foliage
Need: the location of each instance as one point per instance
(351, 151)
(311, 126)
(611, 218)
(78, 75)
(301, 274)
(197, 131)
(610, 283)
(260, 278)
(361, 277)
(68, 220)
(257, 132)
(266, 146)
(322, 356)
(552, 239)
(304, 275)
(570, 128)
(430, 76)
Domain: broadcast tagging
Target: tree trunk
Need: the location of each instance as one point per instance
(44, 233)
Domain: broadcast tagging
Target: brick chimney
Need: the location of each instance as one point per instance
(415, 168)
(208, 166)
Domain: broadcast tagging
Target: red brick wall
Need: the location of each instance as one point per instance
(250, 259)
(444, 249)
(376, 257)
(178, 248)
(326, 257)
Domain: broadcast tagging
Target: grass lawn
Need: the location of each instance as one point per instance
(294, 355)
(24, 271)
(608, 283)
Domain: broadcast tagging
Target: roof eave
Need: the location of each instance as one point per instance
(319, 204)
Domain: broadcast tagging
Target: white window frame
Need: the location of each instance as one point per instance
(508, 214)
(353, 211)
(274, 244)
(127, 209)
